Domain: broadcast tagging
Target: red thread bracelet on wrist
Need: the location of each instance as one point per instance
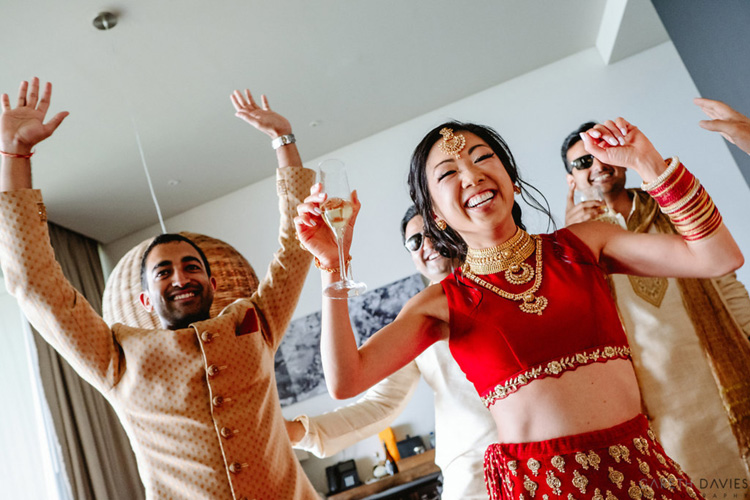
(16, 155)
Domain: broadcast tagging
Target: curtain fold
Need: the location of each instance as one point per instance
(99, 461)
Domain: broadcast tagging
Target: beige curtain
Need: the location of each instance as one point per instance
(95, 449)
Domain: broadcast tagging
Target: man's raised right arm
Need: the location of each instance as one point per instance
(32, 275)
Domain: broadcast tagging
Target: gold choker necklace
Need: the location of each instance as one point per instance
(516, 271)
(508, 257)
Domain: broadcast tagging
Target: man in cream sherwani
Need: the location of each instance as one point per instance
(198, 396)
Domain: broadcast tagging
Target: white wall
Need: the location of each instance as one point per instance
(534, 113)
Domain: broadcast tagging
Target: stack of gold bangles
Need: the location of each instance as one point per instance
(681, 196)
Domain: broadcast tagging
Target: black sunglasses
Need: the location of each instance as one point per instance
(414, 242)
(582, 163)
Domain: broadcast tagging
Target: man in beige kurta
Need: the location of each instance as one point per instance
(199, 402)
(681, 396)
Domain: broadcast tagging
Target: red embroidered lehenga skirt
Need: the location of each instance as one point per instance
(622, 462)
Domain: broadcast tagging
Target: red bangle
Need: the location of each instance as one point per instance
(16, 155)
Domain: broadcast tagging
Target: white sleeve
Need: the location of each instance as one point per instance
(331, 432)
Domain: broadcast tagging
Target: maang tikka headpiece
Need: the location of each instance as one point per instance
(452, 144)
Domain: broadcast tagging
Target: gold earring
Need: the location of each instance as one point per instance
(516, 189)
(441, 224)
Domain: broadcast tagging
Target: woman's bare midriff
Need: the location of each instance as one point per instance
(592, 397)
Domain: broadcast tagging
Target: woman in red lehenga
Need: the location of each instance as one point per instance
(530, 318)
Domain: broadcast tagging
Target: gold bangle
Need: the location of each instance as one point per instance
(648, 186)
(331, 270)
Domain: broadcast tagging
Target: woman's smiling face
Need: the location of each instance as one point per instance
(473, 193)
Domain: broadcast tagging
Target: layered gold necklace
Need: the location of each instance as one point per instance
(510, 257)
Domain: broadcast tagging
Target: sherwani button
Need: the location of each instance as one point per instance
(218, 401)
(235, 467)
(207, 337)
(226, 433)
(212, 370)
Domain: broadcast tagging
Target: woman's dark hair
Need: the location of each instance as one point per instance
(448, 242)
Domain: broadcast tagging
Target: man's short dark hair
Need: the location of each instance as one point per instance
(411, 212)
(169, 238)
(569, 141)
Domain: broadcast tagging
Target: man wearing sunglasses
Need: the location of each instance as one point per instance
(668, 322)
(463, 427)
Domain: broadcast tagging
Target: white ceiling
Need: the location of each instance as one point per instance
(354, 68)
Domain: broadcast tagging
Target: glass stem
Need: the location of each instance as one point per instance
(342, 260)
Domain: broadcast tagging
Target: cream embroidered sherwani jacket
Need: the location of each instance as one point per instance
(200, 404)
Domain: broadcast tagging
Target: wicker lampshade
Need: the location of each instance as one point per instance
(235, 279)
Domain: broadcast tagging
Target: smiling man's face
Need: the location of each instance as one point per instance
(610, 179)
(179, 288)
(426, 259)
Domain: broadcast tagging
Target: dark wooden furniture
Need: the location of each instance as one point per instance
(418, 479)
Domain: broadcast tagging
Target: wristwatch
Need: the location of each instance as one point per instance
(283, 140)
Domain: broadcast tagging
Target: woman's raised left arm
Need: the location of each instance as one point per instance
(703, 248)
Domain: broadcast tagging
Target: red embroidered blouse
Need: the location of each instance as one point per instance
(501, 348)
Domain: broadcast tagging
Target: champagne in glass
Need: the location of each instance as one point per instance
(594, 193)
(337, 210)
(336, 213)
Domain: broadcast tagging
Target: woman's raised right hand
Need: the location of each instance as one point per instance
(315, 235)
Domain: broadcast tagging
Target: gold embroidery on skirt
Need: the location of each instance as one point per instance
(625, 453)
(645, 469)
(641, 445)
(634, 491)
(554, 482)
(582, 459)
(530, 486)
(610, 496)
(664, 481)
(513, 467)
(558, 462)
(594, 460)
(616, 477)
(580, 481)
(534, 465)
(597, 495)
(673, 481)
(648, 491)
(614, 452)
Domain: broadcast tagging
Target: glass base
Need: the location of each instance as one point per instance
(344, 289)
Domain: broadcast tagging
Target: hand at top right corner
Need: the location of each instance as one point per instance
(260, 117)
(733, 125)
(23, 127)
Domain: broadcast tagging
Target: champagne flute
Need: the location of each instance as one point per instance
(337, 210)
(594, 193)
